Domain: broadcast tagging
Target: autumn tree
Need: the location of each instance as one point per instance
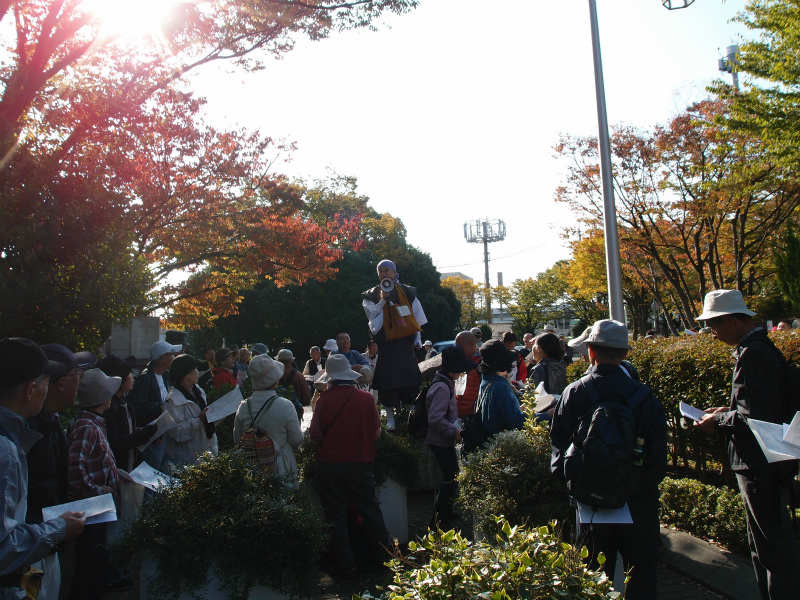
(109, 117)
(535, 301)
(471, 298)
(697, 206)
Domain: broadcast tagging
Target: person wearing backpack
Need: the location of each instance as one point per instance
(444, 430)
(608, 437)
(265, 411)
(762, 388)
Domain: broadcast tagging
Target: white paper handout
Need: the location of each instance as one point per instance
(224, 406)
(590, 515)
(98, 509)
(149, 477)
(163, 424)
(543, 400)
(791, 432)
(691, 412)
(770, 436)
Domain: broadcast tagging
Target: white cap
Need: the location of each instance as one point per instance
(161, 348)
(428, 343)
(331, 346)
(723, 302)
(609, 334)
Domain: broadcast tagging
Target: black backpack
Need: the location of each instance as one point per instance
(418, 415)
(599, 464)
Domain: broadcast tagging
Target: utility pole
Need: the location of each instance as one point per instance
(485, 231)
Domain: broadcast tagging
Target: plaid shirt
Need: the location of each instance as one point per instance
(92, 470)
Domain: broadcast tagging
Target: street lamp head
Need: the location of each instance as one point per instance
(676, 4)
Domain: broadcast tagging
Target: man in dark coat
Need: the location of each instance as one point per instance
(395, 317)
(638, 543)
(758, 391)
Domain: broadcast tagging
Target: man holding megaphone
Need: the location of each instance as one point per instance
(395, 318)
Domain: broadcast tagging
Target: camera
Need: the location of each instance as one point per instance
(387, 285)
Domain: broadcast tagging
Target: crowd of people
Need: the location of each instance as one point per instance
(160, 416)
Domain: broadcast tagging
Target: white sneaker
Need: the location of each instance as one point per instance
(390, 424)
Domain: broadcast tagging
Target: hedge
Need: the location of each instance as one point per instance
(520, 563)
(713, 513)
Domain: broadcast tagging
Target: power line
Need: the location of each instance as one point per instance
(518, 252)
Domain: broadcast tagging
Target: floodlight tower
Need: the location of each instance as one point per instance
(485, 231)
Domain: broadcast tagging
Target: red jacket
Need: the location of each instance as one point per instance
(223, 376)
(345, 424)
(466, 401)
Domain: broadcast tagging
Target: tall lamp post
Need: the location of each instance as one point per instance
(613, 270)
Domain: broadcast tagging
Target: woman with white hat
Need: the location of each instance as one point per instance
(274, 415)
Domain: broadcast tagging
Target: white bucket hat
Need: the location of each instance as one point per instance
(609, 334)
(331, 346)
(284, 354)
(580, 341)
(264, 372)
(724, 302)
(96, 388)
(337, 367)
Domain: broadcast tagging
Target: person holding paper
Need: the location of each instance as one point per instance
(93, 472)
(757, 392)
(186, 403)
(24, 378)
(272, 414)
(395, 317)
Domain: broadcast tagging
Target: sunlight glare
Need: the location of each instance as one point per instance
(132, 18)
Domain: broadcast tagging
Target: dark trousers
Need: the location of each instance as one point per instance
(638, 544)
(448, 488)
(351, 485)
(770, 534)
(92, 563)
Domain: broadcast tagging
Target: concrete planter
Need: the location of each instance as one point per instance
(393, 500)
(212, 591)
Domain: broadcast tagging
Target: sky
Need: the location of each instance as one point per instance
(450, 113)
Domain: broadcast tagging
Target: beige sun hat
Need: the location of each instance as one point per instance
(96, 388)
(723, 302)
(337, 367)
(264, 372)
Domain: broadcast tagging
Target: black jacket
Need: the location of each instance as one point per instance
(611, 382)
(121, 437)
(145, 397)
(757, 391)
(47, 466)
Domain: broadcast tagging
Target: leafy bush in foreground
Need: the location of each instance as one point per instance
(533, 564)
(221, 514)
(512, 477)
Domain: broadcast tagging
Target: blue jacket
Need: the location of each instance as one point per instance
(21, 543)
(499, 406)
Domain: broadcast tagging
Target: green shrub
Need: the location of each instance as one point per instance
(512, 477)
(697, 370)
(532, 564)
(707, 511)
(576, 370)
(221, 514)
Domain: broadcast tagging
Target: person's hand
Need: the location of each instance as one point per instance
(716, 409)
(384, 295)
(707, 423)
(75, 523)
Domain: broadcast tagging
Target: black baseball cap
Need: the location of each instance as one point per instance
(67, 360)
(22, 360)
